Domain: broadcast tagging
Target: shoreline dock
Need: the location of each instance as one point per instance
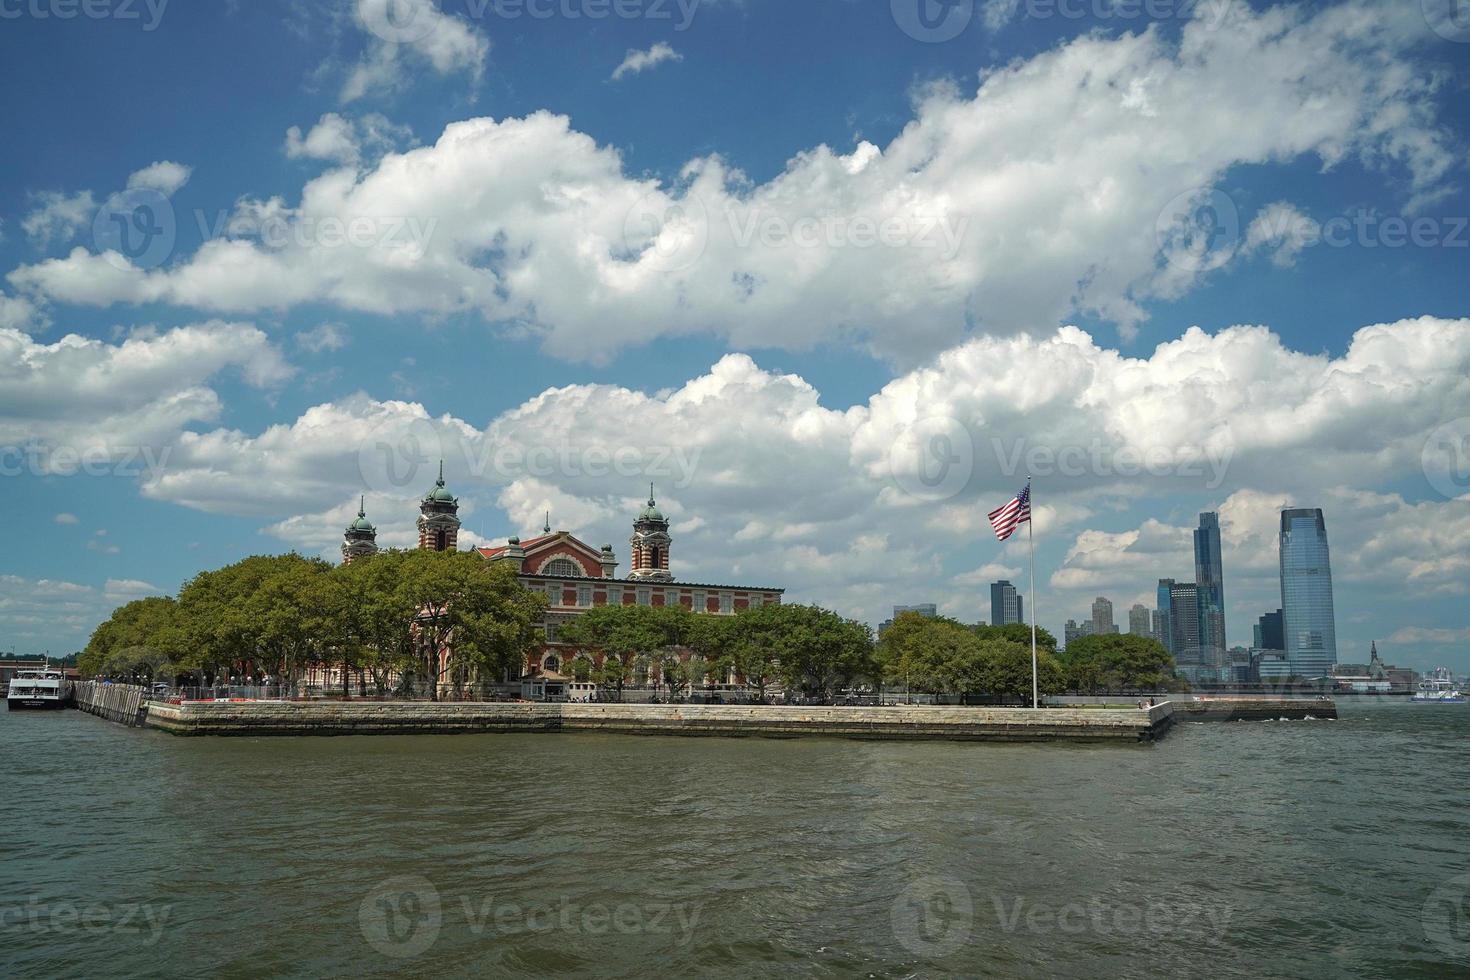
(897, 722)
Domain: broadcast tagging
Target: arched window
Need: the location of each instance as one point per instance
(550, 663)
(561, 566)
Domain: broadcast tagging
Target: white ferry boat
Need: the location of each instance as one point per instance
(1438, 688)
(40, 687)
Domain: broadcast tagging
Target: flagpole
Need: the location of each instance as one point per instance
(1031, 540)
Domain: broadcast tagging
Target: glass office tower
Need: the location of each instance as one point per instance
(1006, 604)
(1163, 621)
(1306, 593)
(1192, 659)
(1209, 577)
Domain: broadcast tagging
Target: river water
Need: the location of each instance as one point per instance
(1309, 848)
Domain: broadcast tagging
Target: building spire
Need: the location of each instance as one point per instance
(547, 528)
(650, 543)
(440, 481)
(362, 506)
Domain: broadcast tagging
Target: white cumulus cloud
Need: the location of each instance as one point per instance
(418, 28)
(164, 176)
(763, 482)
(636, 62)
(86, 398)
(1036, 198)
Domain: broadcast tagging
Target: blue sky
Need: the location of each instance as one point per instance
(1071, 160)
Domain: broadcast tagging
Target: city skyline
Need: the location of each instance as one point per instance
(1189, 618)
(1186, 592)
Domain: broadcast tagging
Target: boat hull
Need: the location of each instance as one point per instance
(34, 704)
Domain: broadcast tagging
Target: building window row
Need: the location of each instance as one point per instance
(589, 594)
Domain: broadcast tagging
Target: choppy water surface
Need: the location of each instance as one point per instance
(1242, 849)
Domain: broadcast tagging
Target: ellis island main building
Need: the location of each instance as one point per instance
(573, 575)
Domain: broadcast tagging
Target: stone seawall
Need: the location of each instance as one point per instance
(896, 722)
(1254, 709)
(893, 722)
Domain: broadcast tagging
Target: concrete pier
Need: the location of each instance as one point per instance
(768, 721)
(1253, 709)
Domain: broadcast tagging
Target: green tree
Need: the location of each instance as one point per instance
(1005, 670)
(675, 622)
(381, 614)
(143, 635)
(475, 611)
(935, 655)
(622, 634)
(753, 660)
(581, 668)
(673, 673)
(942, 656)
(613, 672)
(1117, 662)
(1018, 633)
(289, 617)
(222, 610)
(811, 649)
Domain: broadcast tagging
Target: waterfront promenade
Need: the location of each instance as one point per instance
(928, 722)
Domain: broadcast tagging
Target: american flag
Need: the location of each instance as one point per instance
(1013, 514)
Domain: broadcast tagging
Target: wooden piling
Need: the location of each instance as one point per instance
(121, 703)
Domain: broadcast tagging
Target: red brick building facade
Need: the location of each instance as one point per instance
(573, 575)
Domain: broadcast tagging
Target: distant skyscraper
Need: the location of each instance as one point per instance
(1138, 620)
(1306, 593)
(1006, 604)
(1163, 622)
(1209, 577)
(1102, 617)
(1074, 630)
(1184, 632)
(927, 609)
(1269, 632)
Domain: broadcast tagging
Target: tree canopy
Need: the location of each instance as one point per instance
(1118, 662)
(806, 648)
(937, 655)
(385, 614)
